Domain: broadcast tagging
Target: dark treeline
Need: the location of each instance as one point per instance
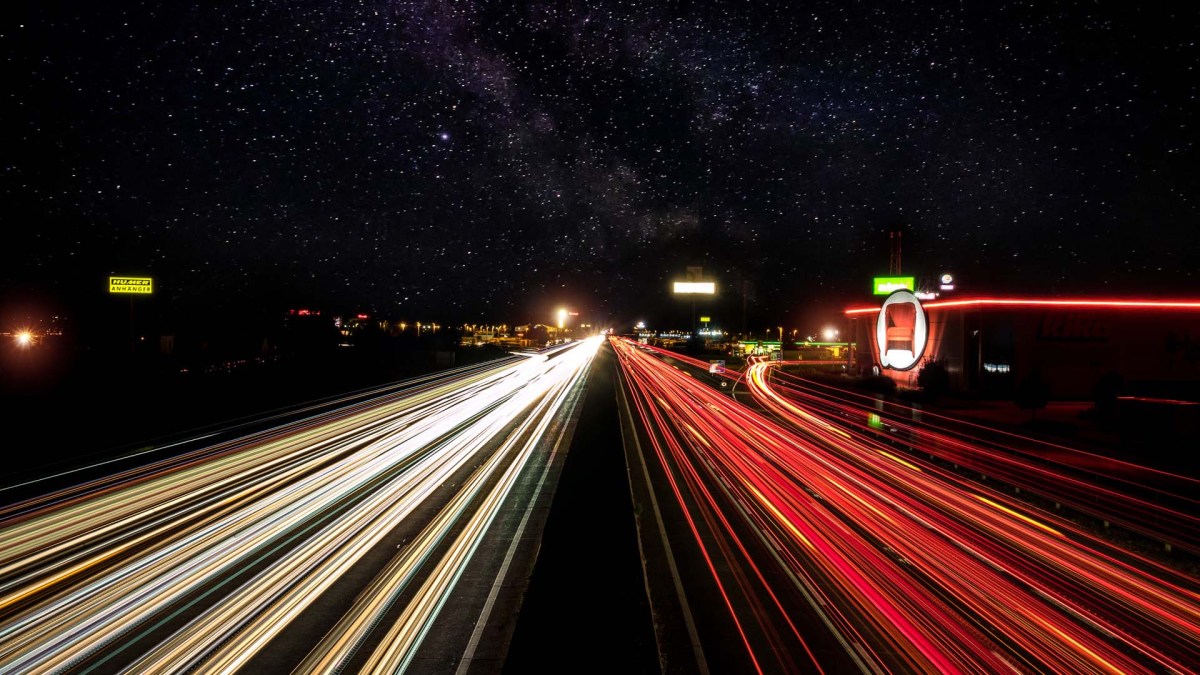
(88, 392)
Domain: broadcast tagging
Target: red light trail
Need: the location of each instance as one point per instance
(914, 567)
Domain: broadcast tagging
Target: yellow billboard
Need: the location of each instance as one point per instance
(138, 285)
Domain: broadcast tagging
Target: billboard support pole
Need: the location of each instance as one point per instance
(131, 286)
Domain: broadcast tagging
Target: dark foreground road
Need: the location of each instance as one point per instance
(586, 610)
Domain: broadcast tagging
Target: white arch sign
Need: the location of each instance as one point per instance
(901, 340)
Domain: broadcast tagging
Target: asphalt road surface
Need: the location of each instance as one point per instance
(586, 610)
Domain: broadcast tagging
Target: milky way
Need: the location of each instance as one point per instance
(484, 160)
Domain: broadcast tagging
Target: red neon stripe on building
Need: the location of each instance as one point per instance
(1025, 302)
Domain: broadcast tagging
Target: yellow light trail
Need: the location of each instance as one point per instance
(101, 565)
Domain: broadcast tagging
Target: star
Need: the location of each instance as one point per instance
(598, 148)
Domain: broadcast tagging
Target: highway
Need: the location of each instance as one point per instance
(397, 531)
(1158, 505)
(812, 545)
(341, 541)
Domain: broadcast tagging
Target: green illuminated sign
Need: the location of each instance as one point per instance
(885, 285)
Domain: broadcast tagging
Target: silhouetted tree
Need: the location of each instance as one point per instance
(539, 335)
(1104, 395)
(934, 379)
(1033, 392)
(880, 384)
(309, 335)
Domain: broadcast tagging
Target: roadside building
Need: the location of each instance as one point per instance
(990, 345)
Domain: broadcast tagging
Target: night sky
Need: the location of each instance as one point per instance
(472, 160)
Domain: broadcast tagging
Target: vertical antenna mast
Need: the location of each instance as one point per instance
(894, 260)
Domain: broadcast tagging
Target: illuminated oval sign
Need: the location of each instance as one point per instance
(901, 331)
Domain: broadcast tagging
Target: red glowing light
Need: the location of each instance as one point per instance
(1032, 302)
(1161, 401)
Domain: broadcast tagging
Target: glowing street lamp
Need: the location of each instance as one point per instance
(562, 318)
(24, 339)
(830, 334)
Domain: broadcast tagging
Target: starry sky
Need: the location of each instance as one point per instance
(477, 160)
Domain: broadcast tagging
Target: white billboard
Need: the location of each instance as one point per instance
(901, 331)
(702, 287)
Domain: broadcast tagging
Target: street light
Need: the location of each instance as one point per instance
(562, 318)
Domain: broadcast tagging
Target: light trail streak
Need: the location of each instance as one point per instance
(221, 549)
(741, 467)
(397, 648)
(1116, 592)
(1151, 502)
(917, 567)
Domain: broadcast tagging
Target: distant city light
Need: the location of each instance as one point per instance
(24, 338)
